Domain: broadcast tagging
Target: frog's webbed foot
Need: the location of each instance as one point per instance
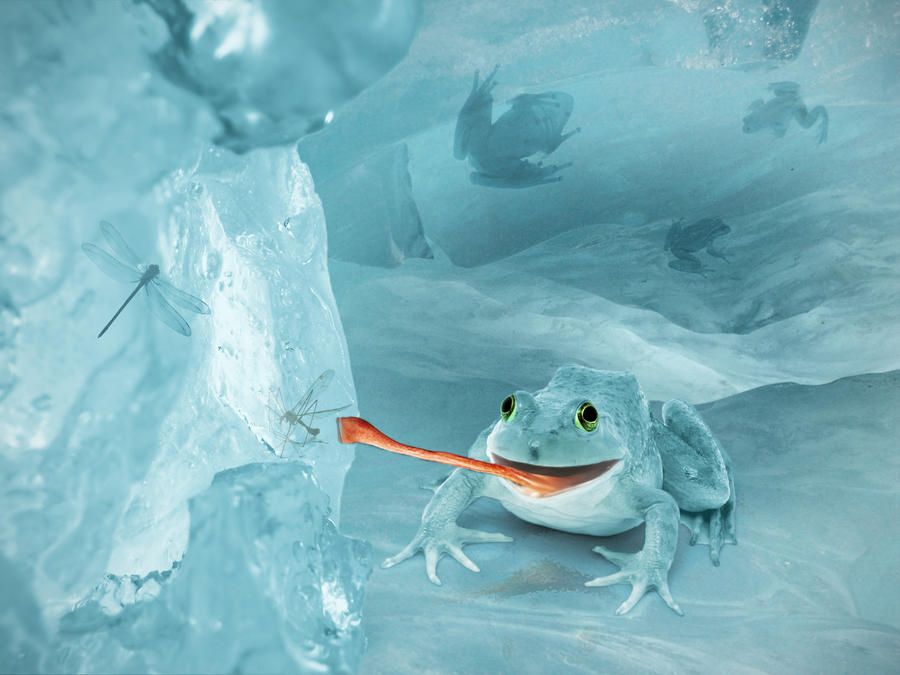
(524, 174)
(807, 119)
(715, 528)
(484, 90)
(445, 539)
(642, 572)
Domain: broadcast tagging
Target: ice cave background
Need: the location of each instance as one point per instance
(292, 165)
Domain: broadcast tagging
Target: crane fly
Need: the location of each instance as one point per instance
(145, 276)
(285, 420)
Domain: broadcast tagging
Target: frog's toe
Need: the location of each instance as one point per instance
(478, 537)
(615, 557)
(715, 528)
(432, 556)
(694, 522)
(716, 536)
(609, 579)
(412, 548)
(462, 558)
(666, 595)
(642, 581)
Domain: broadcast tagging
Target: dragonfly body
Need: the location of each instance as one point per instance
(151, 273)
(147, 278)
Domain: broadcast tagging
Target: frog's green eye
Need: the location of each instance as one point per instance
(587, 417)
(508, 408)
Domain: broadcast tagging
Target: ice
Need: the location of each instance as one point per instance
(371, 214)
(273, 71)
(806, 589)
(789, 339)
(267, 585)
(105, 441)
(158, 516)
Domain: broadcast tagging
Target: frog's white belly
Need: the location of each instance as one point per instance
(586, 509)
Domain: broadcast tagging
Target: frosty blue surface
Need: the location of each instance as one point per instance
(274, 70)
(104, 442)
(447, 297)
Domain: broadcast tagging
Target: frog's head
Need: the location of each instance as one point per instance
(753, 122)
(715, 227)
(578, 429)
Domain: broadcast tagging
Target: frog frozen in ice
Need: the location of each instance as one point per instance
(598, 464)
(498, 150)
(683, 242)
(776, 113)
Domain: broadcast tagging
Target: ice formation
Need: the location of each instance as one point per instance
(104, 442)
(524, 281)
(451, 295)
(272, 70)
(371, 214)
(264, 564)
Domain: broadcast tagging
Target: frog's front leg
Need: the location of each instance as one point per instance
(474, 121)
(439, 534)
(518, 174)
(713, 251)
(687, 262)
(648, 569)
(559, 140)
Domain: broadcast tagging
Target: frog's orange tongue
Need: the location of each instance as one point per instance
(357, 430)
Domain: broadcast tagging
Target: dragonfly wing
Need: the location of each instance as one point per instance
(117, 243)
(165, 312)
(110, 266)
(319, 385)
(182, 299)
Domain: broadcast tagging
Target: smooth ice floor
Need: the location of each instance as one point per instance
(811, 587)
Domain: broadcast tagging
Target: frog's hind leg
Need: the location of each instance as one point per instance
(807, 119)
(697, 473)
(686, 262)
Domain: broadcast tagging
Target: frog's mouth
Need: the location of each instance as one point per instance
(550, 480)
(533, 480)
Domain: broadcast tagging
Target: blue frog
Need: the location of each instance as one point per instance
(776, 113)
(683, 242)
(498, 150)
(607, 466)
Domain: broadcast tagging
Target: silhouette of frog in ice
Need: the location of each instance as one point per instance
(496, 151)
(684, 241)
(776, 113)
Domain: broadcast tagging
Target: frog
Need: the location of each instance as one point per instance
(610, 465)
(497, 151)
(684, 241)
(776, 113)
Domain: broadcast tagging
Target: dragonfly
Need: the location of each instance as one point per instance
(147, 277)
(286, 420)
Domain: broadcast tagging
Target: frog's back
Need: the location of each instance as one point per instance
(533, 124)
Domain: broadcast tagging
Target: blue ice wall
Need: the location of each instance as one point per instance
(579, 269)
(106, 442)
